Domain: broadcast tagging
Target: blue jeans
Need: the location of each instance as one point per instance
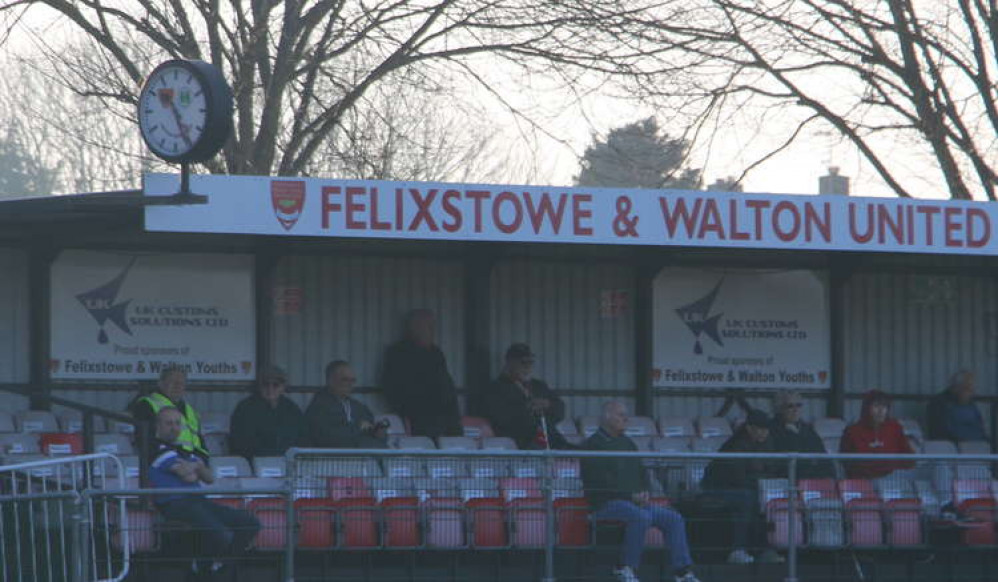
(224, 531)
(637, 520)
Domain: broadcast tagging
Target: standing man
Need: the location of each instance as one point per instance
(170, 392)
(735, 485)
(417, 384)
(952, 414)
(875, 433)
(516, 403)
(335, 419)
(225, 532)
(617, 488)
(266, 423)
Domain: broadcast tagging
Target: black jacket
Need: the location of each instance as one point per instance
(740, 473)
(257, 429)
(615, 477)
(507, 411)
(803, 440)
(420, 389)
(328, 425)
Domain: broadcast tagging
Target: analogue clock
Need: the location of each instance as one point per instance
(185, 111)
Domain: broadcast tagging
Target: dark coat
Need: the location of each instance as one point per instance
(803, 440)
(328, 426)
(724, 475)
(507, 411)
(948, 420)
(258, 429)
(607, 478)
(420, 389)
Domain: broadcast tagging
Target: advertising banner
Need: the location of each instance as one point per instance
(125, 316)
(741, 329)
(438, 211)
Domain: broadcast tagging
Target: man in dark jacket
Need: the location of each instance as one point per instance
(735, 485)
(267, 423)
(952, 414)
(417, 383)
(335, 419)
(790, 434)
(516, 402)
(617, 488)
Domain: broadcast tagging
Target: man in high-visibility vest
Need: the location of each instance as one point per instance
(170, 391)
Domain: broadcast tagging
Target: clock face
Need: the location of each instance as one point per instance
(173, 111)
(185, 111)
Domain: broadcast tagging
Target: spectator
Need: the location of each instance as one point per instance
(266, 423)
(224, 531)
(733, 486)
(417, 384)
(790, 434)
(952, 414)
(875, 432)
(170, 392)
(617, 488)
(516, 403)
(335, 419)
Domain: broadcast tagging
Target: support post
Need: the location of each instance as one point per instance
(792, 524)
(644, 331)
(40, 259)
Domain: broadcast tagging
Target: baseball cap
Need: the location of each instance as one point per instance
(757, 418)
(518, 352)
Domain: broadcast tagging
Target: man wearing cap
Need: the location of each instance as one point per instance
(267, 423)
(735, 483)
(516, 402)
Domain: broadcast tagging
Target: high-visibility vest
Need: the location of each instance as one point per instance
(190, 434)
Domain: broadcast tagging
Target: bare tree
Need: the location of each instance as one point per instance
(888, 76)
(299, 68)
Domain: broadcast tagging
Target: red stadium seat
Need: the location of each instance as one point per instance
(975, 499)
(863, 512)
(400, 516)
(527, 522)
(358, 520)
(778, 517)
(61, 443)
(573, 525)
(140, 526)
(444, 523)
(904, 522)
(487, 518)
(315, 518)
(341, 488)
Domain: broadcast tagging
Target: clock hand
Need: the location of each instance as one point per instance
(180, 126)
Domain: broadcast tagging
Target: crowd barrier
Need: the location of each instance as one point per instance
(47, 531)
(334, 505)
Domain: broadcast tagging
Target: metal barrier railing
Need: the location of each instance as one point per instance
(344, 502)
(45, 522)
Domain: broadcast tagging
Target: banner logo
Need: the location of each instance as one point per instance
(288, 199)
(100, 304)
(697, 318)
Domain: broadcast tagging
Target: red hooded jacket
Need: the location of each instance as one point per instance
(864, 437)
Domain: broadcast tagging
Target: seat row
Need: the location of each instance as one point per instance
(363, 514)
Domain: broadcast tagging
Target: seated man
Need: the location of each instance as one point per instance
(952, 414)
(790, 434)
(617, 489)
(734, 485)
(170, 392)
(516, 402)
(336, 420)
(875, 432)
(267, 423)
(224, 531)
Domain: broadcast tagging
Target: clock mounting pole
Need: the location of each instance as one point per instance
(185, 196)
